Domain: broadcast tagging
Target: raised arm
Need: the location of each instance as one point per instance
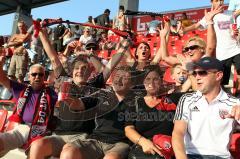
(211, 35)
(97, 64)
(115, 59)
(52, 54)
(232, 7)
(163, 50)
(189, 28)
(237, 13)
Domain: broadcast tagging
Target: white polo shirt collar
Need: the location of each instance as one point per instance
(222, 95)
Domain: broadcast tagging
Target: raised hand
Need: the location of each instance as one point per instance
(124, 45)
(214, 11)
(164, 31)
(72, 45)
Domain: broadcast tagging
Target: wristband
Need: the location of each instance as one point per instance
(138, 140)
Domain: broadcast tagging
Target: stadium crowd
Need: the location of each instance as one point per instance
(86, 93)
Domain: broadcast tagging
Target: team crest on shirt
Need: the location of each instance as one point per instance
(167, 145)
(223, 113)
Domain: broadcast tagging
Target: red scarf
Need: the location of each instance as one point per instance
(42, 113)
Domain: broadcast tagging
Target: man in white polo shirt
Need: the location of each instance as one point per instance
(205, 119)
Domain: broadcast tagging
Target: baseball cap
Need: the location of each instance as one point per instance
(91, 44)
(165, 143)
(107, 11)
(206, 63)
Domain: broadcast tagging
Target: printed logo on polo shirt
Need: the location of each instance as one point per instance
(195, 109)
(223, 113)
(167, 145)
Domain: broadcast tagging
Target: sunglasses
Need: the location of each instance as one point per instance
(193, 47)
(202, 73)
(37, 74)
(91, 47)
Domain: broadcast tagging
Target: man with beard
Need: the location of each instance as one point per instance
(33, 112)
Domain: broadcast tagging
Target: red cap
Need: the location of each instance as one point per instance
(165, 143)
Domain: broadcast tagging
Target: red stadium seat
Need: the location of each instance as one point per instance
(167, 76)
(103, 54)
(113, 52)
(114, 38)
(235, 145)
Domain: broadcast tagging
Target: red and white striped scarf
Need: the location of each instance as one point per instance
(42, 113)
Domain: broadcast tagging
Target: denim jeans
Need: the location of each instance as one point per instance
(203, 157)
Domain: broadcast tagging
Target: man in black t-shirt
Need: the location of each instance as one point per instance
(80, 89)
(108, 138)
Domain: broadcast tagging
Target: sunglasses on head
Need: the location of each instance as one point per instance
(37, 74)
(193, 47)
(202, 73)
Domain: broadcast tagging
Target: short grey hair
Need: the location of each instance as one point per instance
(38, 66)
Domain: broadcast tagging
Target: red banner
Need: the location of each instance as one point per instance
(139, 23)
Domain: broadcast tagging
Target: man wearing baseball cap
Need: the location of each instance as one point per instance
(205, 119)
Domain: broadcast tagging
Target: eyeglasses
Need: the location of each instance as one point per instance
(202, 73)
(37, 74)
(193, 47)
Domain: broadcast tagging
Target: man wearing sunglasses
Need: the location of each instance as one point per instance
(205, 119)
(91, 50)
(32, 115)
